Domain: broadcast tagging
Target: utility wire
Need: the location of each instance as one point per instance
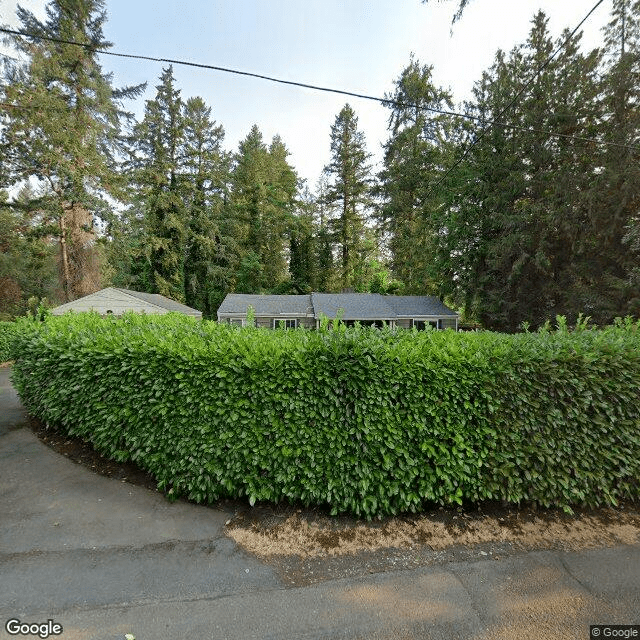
(384, 101)
(479, 119)
(518, 95)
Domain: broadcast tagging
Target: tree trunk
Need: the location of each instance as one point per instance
(345, 242)
(64, 256)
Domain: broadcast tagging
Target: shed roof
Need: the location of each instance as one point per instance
(113, 299)
(162, 302)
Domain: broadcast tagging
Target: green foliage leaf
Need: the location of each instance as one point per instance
(367, 421)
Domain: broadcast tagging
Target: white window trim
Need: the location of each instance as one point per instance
(234, 322)
(276, 322)
(425, 320)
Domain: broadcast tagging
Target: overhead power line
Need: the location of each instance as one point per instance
(8, 105)
(304, 85)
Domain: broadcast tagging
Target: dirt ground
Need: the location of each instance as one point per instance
(270, 531)
(309, 534)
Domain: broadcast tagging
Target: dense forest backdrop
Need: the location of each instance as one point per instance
(526, 209)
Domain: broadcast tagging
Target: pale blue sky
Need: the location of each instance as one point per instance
(357, 45)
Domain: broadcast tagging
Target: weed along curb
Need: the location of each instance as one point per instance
(363, 421)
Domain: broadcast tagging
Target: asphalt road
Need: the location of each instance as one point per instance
(104, 558)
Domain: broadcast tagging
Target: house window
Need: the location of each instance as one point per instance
(421, 325)
(287, 323)
(237, 321)
(378, 324)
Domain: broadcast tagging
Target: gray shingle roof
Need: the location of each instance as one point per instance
(418, 306)
(356, 306)
(162, 302)
(266, 305)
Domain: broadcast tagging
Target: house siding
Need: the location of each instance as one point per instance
(266, 322)
(445, 323)
(307, 323)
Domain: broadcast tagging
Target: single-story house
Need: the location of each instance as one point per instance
(365, 308)
(113, 301)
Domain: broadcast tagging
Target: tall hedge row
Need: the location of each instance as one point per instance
(367, 421)
(8, 332)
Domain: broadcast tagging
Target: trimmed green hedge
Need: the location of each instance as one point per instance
(368, 421)
(8, 332)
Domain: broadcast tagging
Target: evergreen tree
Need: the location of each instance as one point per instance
(413, 162)
(348, 190)
(462, 4)
(516, 232)
(249, 278)
(490, 180)
(612, 282)
(264, 188)
(366, 272)
(209, 244)
(27, 256)
(63, 131)
(155, 170)
(282, 192)
(248, 189)
(515, 275)
(302, 245)
(127, 250)
(326, 279)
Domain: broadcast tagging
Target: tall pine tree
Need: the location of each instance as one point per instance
(349, 186)
(413, 162)
(614, 278)
(325, 280)
(264, 190)
(517, 233)
(27, 256)
(63, 130)
(155, 170)
(209, 245)
(302, 246)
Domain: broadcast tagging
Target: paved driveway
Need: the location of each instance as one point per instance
(104, 558)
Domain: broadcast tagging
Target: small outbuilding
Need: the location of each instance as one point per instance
(113, 301)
